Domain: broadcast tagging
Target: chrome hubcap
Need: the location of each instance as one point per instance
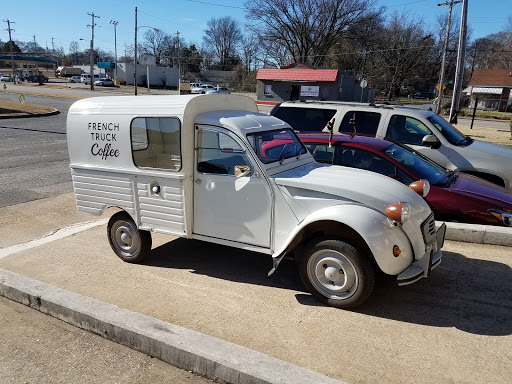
(332, 274)
(126, 238)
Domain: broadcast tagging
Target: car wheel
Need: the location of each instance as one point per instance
(127, 241)
(337, 273)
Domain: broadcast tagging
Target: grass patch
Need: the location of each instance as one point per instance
(16, 109)
(486, 114)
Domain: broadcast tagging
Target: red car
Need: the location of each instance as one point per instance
(453, 196)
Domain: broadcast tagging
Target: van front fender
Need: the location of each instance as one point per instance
(379, 234)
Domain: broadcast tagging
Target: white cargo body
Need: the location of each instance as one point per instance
(212, 168)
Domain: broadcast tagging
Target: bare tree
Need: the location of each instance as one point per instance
(155, 43)
(306, 29)
(223, 35)
(404, 47)
(74, 49)
(249, 51)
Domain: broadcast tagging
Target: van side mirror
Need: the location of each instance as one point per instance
(431, 141)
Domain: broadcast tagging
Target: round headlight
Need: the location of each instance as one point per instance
(398, 212)
(421, 187)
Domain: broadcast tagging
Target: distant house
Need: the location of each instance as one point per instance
(302, 82)
(492, 89)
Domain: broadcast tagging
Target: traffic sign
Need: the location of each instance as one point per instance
(437, 87)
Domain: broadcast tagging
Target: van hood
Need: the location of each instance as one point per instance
(491, 149)
(333, 184)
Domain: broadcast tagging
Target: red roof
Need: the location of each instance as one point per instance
(297, 74)
(492, 77)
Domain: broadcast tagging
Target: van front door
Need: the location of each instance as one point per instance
(232, 201)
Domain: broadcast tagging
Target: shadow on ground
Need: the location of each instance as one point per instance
(472, 295)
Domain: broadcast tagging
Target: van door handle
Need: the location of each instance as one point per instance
(198, 181)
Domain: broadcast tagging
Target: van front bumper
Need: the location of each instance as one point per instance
(432, 258)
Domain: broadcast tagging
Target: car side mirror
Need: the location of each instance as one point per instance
(431, 141)
(242, 170)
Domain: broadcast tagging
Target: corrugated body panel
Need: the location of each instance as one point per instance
(97, 190)
(162, 212)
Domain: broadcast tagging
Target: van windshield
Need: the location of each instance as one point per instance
(278, 145)
(452, 134)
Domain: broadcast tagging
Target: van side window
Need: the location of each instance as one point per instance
(406, 130)
(366, 123)
(219, 153)
(156, 142)
(305, 119)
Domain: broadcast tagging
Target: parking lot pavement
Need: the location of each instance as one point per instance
(37, 348)
(453, 327)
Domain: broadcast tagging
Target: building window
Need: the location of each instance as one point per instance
(268, 89)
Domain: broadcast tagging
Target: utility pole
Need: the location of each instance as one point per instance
(441, 81)
(91, 56)
(179, 61)
(459, 73)
(135, 53)
(114, 23)
(12, 51)
(35, 44)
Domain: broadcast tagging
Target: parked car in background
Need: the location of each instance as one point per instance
(104, 82)
(75, 79)
(422, 95)
(86, 78)
(202, 88)
(218, 90)
(425, 131)
(5, 77)
(35, 78)
(453, 196)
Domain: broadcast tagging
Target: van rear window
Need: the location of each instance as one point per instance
(156, 142)
(305, 119)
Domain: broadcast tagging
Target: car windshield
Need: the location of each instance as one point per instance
(278, 145)
(452, 134)
(418, 164)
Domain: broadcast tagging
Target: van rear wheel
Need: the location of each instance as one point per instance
(337, 273)
(127, 241)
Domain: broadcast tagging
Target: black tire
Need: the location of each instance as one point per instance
(337, 273)
(127, 241)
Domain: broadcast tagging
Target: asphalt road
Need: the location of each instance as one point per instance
(35, 161)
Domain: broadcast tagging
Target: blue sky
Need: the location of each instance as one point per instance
(67, 21)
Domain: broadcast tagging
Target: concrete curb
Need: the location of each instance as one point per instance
(193, 351)
(51, 113)
(480, 234)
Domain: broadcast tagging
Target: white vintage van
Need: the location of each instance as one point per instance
(212, 168)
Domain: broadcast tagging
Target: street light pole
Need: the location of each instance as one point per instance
(114, 23)
(135, 70)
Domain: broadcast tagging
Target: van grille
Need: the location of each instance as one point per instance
(428, 228)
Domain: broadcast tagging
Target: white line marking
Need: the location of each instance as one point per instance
(57, 235)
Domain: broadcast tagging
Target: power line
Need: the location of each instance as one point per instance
(217, 5)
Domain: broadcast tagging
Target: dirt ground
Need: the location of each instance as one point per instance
(492, 135)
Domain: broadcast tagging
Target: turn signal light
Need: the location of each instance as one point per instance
(398, 212)
(421, 187)
(396, 250)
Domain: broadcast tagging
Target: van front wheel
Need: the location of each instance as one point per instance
(127, 241)
(337, 273)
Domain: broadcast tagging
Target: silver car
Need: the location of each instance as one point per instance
(218, 90)
(202, 89)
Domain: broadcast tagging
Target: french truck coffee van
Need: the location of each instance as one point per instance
(210, 167)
